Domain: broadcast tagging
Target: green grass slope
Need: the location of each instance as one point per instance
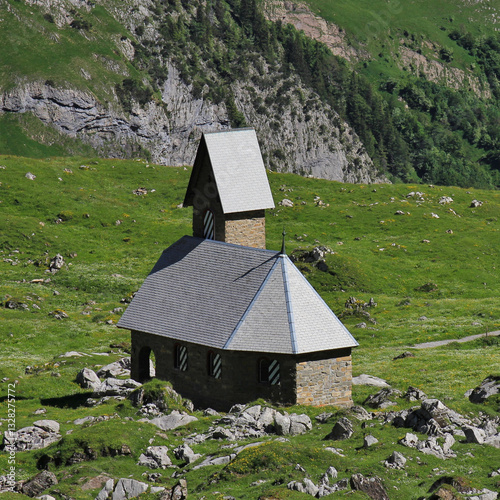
(86, 210)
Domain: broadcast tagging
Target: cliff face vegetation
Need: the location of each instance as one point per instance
(147, 78)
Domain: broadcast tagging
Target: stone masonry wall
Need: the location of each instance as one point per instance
(325, 381)
(239, 381)
(247, 229)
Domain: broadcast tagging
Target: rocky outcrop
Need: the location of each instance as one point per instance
(39, 435)
(171, 131)
(313, 26)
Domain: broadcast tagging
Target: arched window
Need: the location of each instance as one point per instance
(269, 371)
(181, 357)
(214, 365)
(209, 225)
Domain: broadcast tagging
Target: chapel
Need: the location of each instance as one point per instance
(228, 320)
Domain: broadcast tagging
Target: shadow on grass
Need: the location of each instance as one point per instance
(17, 398)
(72, 401)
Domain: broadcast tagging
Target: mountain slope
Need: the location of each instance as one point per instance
(406, 96)
(110, 102)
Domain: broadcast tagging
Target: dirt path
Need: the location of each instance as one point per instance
(438, 343)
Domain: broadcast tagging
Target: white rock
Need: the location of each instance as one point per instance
(172, 421)
(128, 488)
(369, 380)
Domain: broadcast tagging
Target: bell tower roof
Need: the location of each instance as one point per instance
(235, 160)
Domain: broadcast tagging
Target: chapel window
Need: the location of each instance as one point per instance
(214, 365)
(269, 371)
(181, 357)
(209, 225)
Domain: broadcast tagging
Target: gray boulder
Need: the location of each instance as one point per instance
(128, 488)
(326, 489)
(39, 483)
(414, 394)
(369, 380)
(382, 398)
(155, 457)
(178, 492)
(106, 490)
(282, 423)
(310, 488)
(369, 440)
(186, 454)
(488, 387)
(172, 421)
(371, 486)
(48, 425)
(120, 368)
(88, 379)
(116, 387)
(56, 263)
(395, 461)
(359, 413)
(341, 430)
(474, 434)
(33, 437)
(299, 424)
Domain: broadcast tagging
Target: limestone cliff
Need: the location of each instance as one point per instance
(303, 136)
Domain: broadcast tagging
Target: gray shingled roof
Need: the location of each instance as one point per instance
(233, 297)
(239, 171)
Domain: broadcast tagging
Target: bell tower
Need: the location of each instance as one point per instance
(229, 190)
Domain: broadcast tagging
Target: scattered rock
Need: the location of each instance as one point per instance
(116, 387)
(382, 398)
(30, 176)
(488, 387)
(155, 457)
(475, 203)
(445, 200)
(430, 446)
(56, 263)
(359, 413)
(474, 434)
(414, 394)
(120, 368)
(371, 486)
(39, 435)
(369, 440)
(369, 380)
(106, 490)
(141, 191)
(178, 492)
(172, 421)
(254, 422)
(395, 461)
(128, 488)
(186, 454)
(286, 203)
(341, 430)
(39, 483)
(87, 379)
(58, 314)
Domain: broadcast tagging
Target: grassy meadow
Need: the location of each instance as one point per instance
(432, 269)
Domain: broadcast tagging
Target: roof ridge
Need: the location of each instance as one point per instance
(250, 306)
(228, 131)
(288, 301)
